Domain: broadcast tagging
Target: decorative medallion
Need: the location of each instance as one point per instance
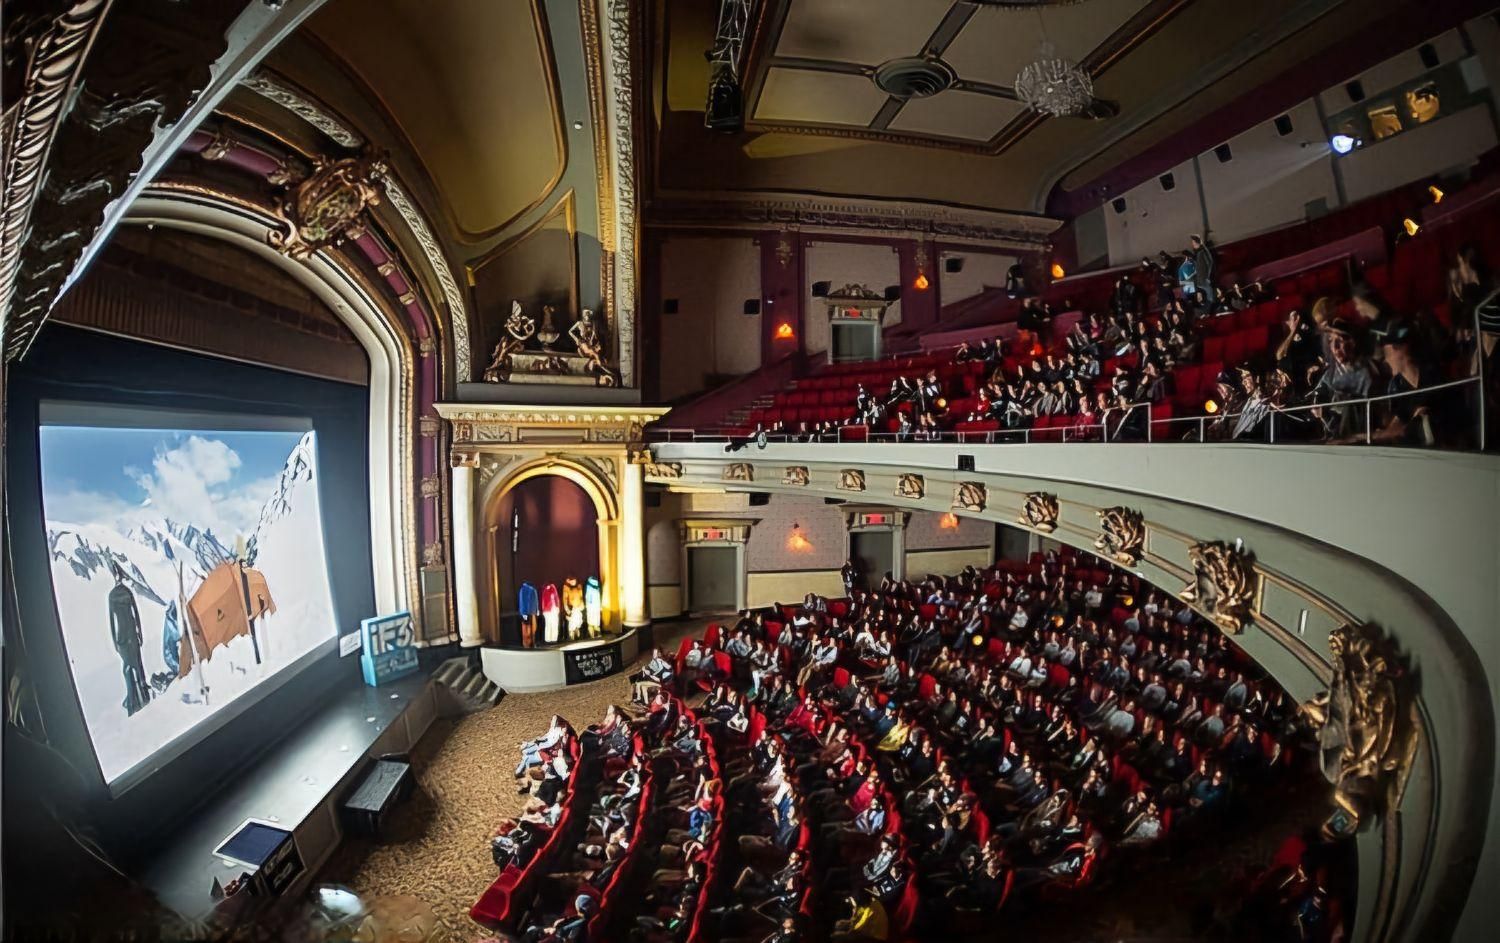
(739, 471)
(325, 209)
(429, 426)
(432, 554)
(851, 479)
(1122, 535)
(784, 249)
(795, 475)
(664, 470)
(1228, 575)
(1040, 512)
(1366, 725)
(911, 486)
(432, 486)
(970, 496)
(427, 345)
(219, 146)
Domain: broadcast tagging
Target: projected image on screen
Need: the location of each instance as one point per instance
(188, 567)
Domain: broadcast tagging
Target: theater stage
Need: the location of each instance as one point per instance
(526, 670)
(298, 785)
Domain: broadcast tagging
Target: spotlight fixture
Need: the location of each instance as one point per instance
(1411, 226)
(1211, 407)
(1343, 143)
(1436, 194)
(725, 109)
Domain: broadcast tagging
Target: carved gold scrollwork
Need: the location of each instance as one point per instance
(326, 208)
(1366, 726)
(970, 496)
(795, 475)
(664, 470)
(431, 486)
(739, 471)
(1122, 535)
(911, 486)
(464, 458)
(432, 554)
(1228, 573)
(851, 479)
(1040, 512)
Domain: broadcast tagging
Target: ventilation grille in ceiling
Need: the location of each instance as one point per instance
(914, 77)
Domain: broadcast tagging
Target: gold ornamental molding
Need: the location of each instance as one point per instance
(1227, 573)
(327, 208)
(911, 486)
(1367, 727)
(1122, 535)
(303, 106)
(666, 471)
(970, 496)
(796, 475)
(541, 425)
(1040, 512)
(31, 124)
(851, 479)
(739, 471)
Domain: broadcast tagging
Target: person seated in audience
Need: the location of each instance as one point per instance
(1414, 418)
(1347, 375)
(566, 928)
(656, 674)
(536, 752)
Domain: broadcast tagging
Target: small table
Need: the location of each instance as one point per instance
(383, 786)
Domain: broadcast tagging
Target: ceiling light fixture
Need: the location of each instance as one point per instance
(1052, 84)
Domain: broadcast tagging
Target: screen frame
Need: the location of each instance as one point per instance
(125, 375)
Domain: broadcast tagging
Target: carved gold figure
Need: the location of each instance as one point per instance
(851, 479)
(911, 486)
(325, 209)
(1122, 535)
(795, 475)
(1040, 512)
(519, 328)
(970, 496)
(1230, 575)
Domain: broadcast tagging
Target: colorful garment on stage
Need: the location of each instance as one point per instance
(551, 613)
(572, 606)
(593, 604)
(527, 601)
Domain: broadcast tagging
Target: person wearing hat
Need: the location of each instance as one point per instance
(1420, 419)
(1348, 375)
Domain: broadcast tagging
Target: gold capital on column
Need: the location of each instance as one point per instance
(464, 458)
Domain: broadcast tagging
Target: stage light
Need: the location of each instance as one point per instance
(1436, 194)
(921, 283)
(784, 331)
(1057, 270)
(977, 641)
(941, 403)
(948, 521)
(1342, 143)
(1410, 225)
(1211, 407)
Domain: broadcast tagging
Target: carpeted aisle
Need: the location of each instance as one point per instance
(437, 846)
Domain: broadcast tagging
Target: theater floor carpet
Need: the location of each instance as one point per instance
(436, 846)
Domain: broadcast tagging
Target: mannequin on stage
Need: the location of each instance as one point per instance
(572, 607)
(551, 613)
(593, 605)
(527, 604)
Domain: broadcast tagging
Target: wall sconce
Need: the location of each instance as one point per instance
(797, 541)
(921, 282)
(1436, 194)
(948, 521)
(1057, 270)
(1410, 225)
(784, 331)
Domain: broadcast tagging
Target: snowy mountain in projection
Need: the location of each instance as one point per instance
(286, 546)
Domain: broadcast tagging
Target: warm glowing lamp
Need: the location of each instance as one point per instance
(1410, 225)
(1211, 407)
(978, 641)
(1057, 270)
(948, 521)
(784, 331)
(942, 403)
(798, 541)
(1436, 194)
(921, 283)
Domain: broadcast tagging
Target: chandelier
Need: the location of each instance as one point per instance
(1055, 86)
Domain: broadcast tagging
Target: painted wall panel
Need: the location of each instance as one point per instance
(843, 263)
(711, 278)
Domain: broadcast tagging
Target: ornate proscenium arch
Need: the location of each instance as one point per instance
(394, 547)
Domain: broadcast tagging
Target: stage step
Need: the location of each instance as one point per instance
(468, 684)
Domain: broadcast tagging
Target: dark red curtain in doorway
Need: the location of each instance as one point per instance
(547, 531)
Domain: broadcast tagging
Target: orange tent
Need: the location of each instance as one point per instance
(221, 609)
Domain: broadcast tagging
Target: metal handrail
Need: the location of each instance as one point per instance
(1078, 431)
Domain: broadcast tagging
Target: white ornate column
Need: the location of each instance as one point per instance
(466, 601)
(633, 546)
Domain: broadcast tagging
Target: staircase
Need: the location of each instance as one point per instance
(471, 690)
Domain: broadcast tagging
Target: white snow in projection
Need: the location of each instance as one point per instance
(286, 546)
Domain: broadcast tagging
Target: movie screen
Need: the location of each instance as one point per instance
(188, 566)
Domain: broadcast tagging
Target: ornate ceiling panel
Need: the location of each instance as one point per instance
(464, 87)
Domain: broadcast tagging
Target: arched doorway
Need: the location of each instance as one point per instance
(545, 529)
